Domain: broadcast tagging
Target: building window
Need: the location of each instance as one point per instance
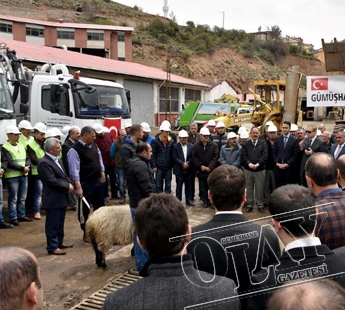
(6, 28)
(164, 105)
(192, 95)
(120, 36)
(95, 36)
(35, 32)
(65, 34)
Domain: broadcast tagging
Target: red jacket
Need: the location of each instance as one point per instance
(104, 144)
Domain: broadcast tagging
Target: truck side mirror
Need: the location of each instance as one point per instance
(24, 93)
(54, 94)
(24, 108)
(128, 96)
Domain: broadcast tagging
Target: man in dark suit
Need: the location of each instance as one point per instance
(338, 148)
(182, 156)
(169, 279)
(304, 258)
(56, 185)
(285, 150)
(311, 144)
(228, 245)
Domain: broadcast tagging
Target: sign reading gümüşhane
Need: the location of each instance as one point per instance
(326, 91)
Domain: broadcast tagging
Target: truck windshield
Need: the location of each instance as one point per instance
(6, 103)
(101, 100)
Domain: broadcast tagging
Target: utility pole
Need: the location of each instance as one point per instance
(223, 19)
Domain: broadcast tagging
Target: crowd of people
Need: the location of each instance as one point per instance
(226, 263)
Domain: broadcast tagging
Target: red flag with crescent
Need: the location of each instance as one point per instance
(319, 84)
(114, 125)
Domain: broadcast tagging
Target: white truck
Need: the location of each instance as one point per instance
(50, 94)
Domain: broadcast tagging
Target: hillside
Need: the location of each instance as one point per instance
(222, 63)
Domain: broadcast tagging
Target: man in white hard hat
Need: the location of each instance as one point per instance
(230, 153)
(36, 152)
(18, 166)
(244, 136)
(104, 141)
(25, 128)
(211, 125)
(205, 156)
(147, 137)
(293, 130)
(220, 138)
(162, 159)
(182, 155)
(270, 165)
(127, 126)
(264, 135)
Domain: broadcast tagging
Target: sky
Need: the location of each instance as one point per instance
(312, 20)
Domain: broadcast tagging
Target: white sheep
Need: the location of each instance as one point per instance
(109, 226)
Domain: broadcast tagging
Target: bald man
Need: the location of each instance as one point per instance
(20, 285)
(341, 171)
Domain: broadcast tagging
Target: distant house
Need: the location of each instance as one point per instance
(298, 41)
(263, 35)
(106, 41)
(217, 90)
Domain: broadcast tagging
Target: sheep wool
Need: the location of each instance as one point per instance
(110, 225)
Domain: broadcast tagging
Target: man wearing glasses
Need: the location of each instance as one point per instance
(312, 144)
(205, 158)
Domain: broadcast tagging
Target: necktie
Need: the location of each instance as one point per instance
(285, 140)
(57, 162)
(336, 154)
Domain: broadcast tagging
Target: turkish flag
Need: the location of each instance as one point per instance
(114, 125)
(319, 84)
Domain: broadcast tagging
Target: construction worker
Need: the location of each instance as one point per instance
(18, 166)
(36, 152)
(25, 128)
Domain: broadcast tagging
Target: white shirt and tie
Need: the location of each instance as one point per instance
(338, 150)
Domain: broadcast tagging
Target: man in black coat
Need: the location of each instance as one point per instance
(141, 184)
(230, 245)
(254, 156)
(285, 150)
(56, 186)
(311, 144)
(304, 257)
(205, 156)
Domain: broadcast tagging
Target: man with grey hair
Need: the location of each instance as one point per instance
(338, 148)
(56, 186)
(87, 171)
(326, 136)
(20, 285)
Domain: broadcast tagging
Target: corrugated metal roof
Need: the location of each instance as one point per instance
(65, 25)
(44, 54)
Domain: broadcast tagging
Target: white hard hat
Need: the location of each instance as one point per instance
(41, 127)
(66, 129)
(269, 123)
(220, 125)
(57, 132)
(98, 128)
(211, 122)
(231, 135)
(24, 124)
(183, 134)
(106, 129)
(12, 129)
(318, 132)
(165, 127)
(244, 135)
(50, 133)
(272, 128)
(146, 127)
(241, 129)
(128, 124)
(294, 127)
(204, 131)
